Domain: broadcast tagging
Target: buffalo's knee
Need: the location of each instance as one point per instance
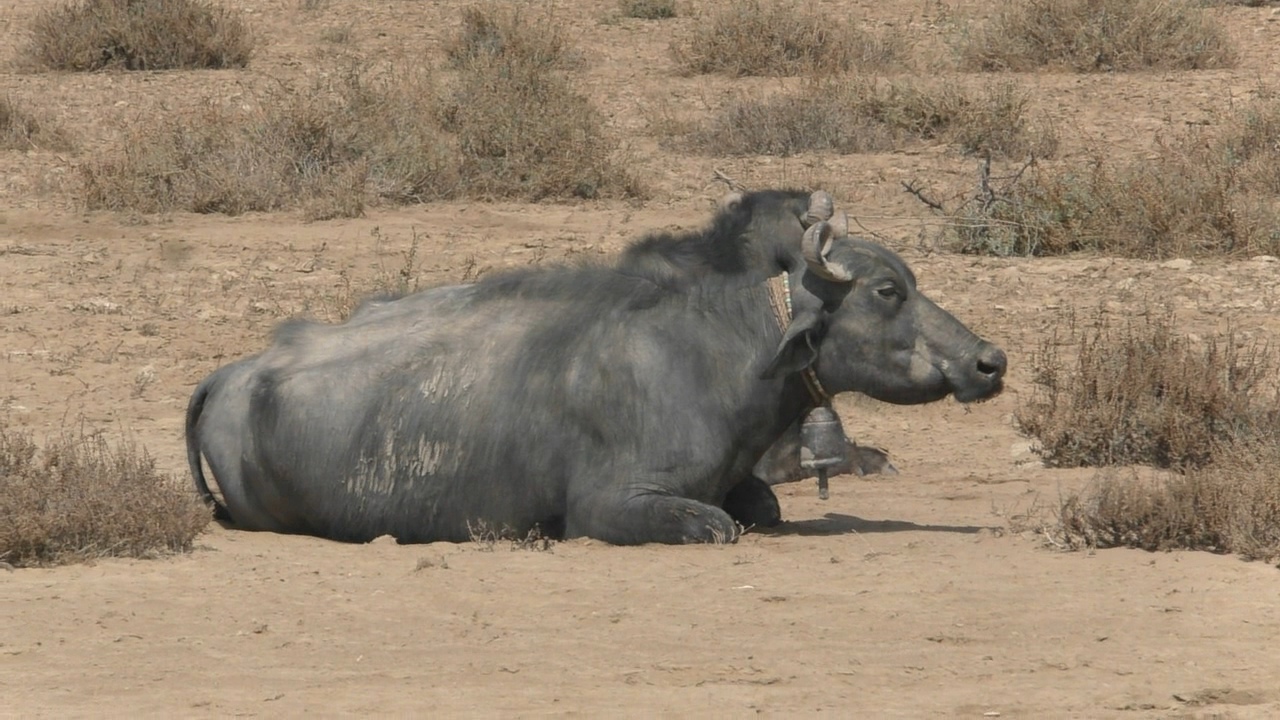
(752, 503)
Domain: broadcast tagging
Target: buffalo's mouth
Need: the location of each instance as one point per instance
(976, 393)
(966, 389)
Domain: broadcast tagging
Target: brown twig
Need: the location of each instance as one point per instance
(1013, 178)
(919, 193)
(878, 236)
(734, 185)
(988, 196)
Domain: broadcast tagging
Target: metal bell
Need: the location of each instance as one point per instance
(822, 444)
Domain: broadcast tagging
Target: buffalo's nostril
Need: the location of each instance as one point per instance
(992, 362)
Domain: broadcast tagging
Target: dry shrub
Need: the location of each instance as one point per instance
(86, 35)
(522, 129)
(492, 30)
(326, 148)
(21, 129)
(1197, 195)
(390, 120)
(1144, 394)
(775, 37)
(1231, 506)
(80, 498)
(524, 132)
(1098, 35)
(216, 161)
(648, 9)
(1207, 414)
(786, 124)
(854, 115)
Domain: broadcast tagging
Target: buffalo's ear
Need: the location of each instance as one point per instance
(799, 347)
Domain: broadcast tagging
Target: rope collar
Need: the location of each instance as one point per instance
(780, 299)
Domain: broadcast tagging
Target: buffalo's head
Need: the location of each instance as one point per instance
(860, 322)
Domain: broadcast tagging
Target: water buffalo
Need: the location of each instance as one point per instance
(627, 403)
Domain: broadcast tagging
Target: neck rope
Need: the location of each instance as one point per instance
(780, 299)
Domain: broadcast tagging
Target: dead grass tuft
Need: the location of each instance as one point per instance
(524, 132)
(522, 129)
(1097, 36)
(87, 35)
(338, 34)
(492, 30)
(854, 115)
(774, 37)
(486, 536)
(648, 9)
(387, 283)
(1144, 394)
(80, 498)
(1250, 138)
(22, 129)
(1231, 506)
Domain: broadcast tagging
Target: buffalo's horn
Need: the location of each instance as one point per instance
(815, 242)
(815, 246)
(730, 200)
(821, 207)
(839, 225)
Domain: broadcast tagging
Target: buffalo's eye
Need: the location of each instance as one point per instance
(888, 292)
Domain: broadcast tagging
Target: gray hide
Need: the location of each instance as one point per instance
(771, 245)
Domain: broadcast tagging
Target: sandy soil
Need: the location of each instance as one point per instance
(921, 595)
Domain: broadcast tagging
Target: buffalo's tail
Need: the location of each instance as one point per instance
(194, 409)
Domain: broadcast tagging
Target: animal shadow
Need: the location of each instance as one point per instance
(841, 524)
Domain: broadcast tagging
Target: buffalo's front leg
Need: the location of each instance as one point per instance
(624, 518)
(752, 503)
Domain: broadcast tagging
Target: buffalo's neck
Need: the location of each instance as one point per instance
(790, 402)
(766, 407)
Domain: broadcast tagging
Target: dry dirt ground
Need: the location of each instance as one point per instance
(916, 596)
